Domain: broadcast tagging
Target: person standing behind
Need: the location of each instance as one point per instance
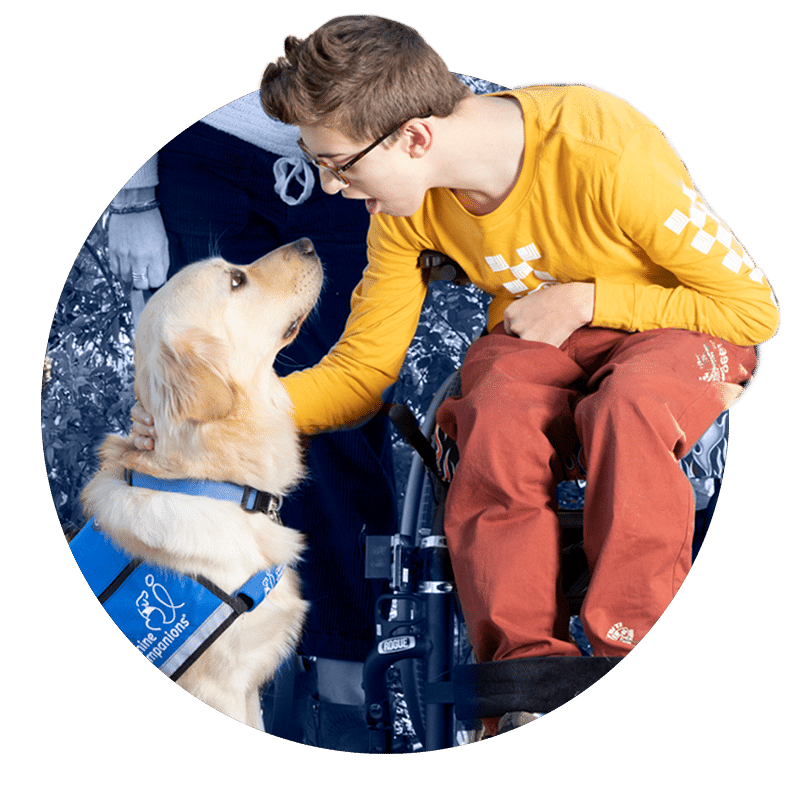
(236, 184)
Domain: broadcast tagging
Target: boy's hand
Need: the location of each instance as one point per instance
(142, 430)
(551, 315)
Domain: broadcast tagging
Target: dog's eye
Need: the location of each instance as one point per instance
(238, 279)
(292, 329)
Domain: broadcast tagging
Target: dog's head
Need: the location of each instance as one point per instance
(213, 330)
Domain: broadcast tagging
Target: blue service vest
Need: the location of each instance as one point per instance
(171, 619)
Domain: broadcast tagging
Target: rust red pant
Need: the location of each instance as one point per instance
(636, 403)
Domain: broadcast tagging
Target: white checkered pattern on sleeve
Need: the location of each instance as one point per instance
(698, 215)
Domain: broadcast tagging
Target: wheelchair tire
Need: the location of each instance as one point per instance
(423, 519)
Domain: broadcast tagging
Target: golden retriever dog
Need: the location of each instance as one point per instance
(204, 354)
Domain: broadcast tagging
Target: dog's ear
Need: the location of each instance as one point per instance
(187, 380)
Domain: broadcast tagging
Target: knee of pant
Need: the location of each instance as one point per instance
(628, 398)
(520, 414)
(487, 400)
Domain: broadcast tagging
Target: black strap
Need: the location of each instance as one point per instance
(118, 581)
(204, 645)
(524, 684)
(407, 426)
(239, 604)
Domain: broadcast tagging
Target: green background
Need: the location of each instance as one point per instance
(92, 90)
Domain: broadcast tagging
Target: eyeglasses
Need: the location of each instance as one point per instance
(338, 172)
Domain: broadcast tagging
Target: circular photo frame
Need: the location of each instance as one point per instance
(119, 419)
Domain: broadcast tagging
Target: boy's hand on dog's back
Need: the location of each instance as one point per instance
(552, 314)
(142, 430)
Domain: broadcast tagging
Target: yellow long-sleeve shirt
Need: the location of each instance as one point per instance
(601, 198)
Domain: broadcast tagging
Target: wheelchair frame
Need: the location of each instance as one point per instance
(420, 692)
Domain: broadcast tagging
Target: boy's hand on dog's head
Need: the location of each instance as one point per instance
(142, 430)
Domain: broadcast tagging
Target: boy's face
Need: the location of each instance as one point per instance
(388, 179)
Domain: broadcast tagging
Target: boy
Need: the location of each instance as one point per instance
(624, 316)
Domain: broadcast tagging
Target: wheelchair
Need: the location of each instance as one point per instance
(423, 689)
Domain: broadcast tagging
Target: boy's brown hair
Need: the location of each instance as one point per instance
(362, 75)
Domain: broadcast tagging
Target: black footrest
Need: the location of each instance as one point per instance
(524, 684)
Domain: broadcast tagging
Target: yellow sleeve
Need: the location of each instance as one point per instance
(345, 388)
(717, 287)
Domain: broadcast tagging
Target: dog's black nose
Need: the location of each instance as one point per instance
(305, 247)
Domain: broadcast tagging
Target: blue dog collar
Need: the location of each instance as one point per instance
(248, 498)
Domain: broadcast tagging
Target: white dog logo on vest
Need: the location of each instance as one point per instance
(151, 613)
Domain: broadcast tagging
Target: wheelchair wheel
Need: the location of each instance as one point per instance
(422, 522)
